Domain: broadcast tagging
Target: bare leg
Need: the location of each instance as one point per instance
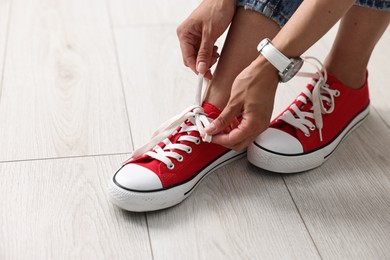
(347, 59)
(247, 30)
(359, 31)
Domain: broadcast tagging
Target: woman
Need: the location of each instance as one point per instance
(243, 87)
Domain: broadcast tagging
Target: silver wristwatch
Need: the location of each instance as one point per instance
(287, 67)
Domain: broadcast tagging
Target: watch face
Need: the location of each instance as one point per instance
(291, 70)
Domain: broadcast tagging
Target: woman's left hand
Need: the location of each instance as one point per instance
(251, 100)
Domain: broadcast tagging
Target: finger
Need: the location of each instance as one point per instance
(208, 75)
(233, 140)
(228, 115)
(215, 52)
(229, 139)
(204, 54)
(241, 136)
(188, 46)
(235, 123)
(244, 144)
(214, 60)
(189, 55)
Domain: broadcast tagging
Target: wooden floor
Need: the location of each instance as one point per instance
(83, 82)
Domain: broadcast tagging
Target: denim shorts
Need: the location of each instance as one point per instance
(281, 11)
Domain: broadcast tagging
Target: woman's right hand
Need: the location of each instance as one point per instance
(199, 32)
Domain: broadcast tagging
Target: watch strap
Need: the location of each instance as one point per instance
(273, 55)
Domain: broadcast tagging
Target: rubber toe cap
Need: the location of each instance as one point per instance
(278, 141)
(138, 178)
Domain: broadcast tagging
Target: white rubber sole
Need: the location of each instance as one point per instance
(139, 201)
(281, 163)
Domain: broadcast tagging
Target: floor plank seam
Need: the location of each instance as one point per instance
(5, 47)
(150, 239)
(300, 215)
(65, 157)
(119, 68)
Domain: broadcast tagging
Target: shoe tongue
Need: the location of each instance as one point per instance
(211, 110)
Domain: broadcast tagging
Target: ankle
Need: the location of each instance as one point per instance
(217, 96)
(350, 75)
(351, 78)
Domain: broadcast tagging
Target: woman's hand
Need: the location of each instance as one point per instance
(199, 32)
(252, 99)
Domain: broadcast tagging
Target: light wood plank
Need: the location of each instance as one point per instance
(345, 203)
(131, 13)
(237, 213)
(62, 94)
(4, 17)
(59, 209)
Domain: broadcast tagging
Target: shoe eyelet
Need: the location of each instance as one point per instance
(181, 158)
(313, 128)
(189, 150)
(197, 141)
(171, 166)
(337, 93)
(307, 135)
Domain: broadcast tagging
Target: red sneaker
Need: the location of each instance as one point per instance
(310, 129)
(167, 174)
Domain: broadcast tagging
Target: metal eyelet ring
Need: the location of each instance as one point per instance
(313, 128)
(197, 141)
(337, 93)
(307, 135)
(189, 150)
(171, 166)
(181, 158)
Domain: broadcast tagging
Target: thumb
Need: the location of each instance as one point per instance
(224, 120)
(204, 55)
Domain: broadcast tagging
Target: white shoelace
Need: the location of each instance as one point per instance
(197, 121)
(321, 93)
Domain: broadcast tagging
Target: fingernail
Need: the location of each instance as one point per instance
(210, 128)
(202, 67)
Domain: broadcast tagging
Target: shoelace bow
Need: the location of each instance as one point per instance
(320, 93)
(191, 119)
